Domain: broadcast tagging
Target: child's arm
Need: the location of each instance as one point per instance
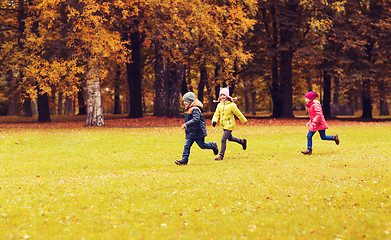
(318, 113)
(239, 114)
(196, 117)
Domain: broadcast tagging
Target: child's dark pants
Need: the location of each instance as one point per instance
(189, 142)
(227, 135)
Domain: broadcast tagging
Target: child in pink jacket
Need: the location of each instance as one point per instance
(317, 122)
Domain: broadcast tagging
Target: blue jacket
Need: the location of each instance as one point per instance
(195, 121)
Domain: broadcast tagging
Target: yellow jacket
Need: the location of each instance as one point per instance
(226, 112)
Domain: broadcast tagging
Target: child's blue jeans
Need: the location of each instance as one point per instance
(322, 134)
(201, 143)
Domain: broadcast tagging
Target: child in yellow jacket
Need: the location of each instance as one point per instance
(226, 111)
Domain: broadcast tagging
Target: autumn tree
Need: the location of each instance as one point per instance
(13, 16)
(64, 41)
(179, 28)
(127, 18)
(365, 48)
(275, 39)
(98, 42)
(323, 47)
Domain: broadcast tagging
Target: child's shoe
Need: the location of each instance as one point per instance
(336, 139)
(307, 152)
(215, 148)
(219, 158)
(244, 143)
(181, 162)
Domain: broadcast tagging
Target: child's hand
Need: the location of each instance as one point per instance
(184, 126)
(214, 124)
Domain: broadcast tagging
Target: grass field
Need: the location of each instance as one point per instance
(122, 183)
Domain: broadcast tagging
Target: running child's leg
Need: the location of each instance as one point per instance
(186, 149)
(309, 139)
(226, 135)
(207, 145)
(323, 135)
(242, 142)
(204, 145)
(309, 143)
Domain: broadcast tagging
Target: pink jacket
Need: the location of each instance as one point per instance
(317, 121)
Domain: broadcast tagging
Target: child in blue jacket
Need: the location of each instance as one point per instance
(194, 127)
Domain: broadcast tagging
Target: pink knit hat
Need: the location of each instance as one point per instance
(225, 92)
(311, 95)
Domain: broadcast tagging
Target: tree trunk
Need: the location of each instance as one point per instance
(210, 96)
(43, 107)
(175, 89)
(253, 101)
(356, 97)
(184, 88)
(60, 104)
(366, 95)
(384, 109)
(12, 99)
(275, 88)
(94, 99)
(336, 91)
(70, 105)
(135, 76)
(202, 83)
(246, 98)
(67, 109)
(286, 56)
(187, 80)
(12, 109)
(326, 94)
(217, 84)
(383, 105)
(366, 99)
(81, 102)
(28, 111)
(53, 104)
(161, 79)
(286, 84)
(117, 103)
(168, 79)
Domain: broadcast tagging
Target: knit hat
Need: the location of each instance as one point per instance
(311, 95)
(189, 97)
(225, 92)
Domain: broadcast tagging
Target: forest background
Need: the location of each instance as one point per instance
(90, 57)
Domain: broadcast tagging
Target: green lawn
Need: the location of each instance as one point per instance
(122, 183)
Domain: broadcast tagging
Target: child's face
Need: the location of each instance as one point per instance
(307, 100)
(223, 98)
(187, 104)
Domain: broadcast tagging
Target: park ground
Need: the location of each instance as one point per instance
(62, 180)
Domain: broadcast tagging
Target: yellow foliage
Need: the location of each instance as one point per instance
(62, 37)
